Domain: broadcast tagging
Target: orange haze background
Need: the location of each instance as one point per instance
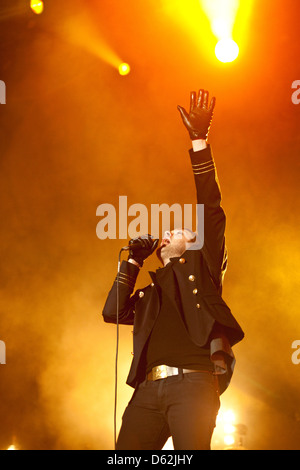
(75, 134)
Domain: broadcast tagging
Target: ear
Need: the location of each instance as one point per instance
(190, 235)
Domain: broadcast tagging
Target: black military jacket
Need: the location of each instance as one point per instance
(198, 276)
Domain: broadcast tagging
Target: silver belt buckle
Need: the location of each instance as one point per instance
(160, 372)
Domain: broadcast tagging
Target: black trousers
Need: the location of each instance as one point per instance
(183, 406)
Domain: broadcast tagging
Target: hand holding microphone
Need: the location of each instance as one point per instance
(141, 247)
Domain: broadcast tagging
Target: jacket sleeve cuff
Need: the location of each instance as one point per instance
(128, 274)
(202, 161)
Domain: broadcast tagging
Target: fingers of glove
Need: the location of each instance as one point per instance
(145, 242)
(205, 99)
(212, 105)
(151, 243)
(184, 115)
(192, 100)
(134, 240)
(200, 98)
(154, 243)
(136, 244)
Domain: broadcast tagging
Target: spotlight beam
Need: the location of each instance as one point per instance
(222, 15)
(81, 31)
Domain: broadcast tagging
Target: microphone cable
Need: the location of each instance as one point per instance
(117, 353)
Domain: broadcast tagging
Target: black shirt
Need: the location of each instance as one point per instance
(169, 342)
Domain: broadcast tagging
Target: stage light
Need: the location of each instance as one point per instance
(222, 16)
(228, 416)
(221, 27)
(229, 428)
(229, 440)
(36, 6)
(12, 447)
(228, 434)
(226, 419)
(124, 69)
(226, 50)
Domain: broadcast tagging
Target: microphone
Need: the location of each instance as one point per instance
(132, 246)
(137, 244)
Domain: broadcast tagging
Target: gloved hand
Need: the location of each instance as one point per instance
(141, 248)
(198, 120)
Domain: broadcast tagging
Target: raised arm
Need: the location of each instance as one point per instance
(198, 122)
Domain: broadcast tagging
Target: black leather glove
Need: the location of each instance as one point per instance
(141, 248)
(198, 120)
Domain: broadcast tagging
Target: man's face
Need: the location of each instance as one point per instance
(173, 244)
